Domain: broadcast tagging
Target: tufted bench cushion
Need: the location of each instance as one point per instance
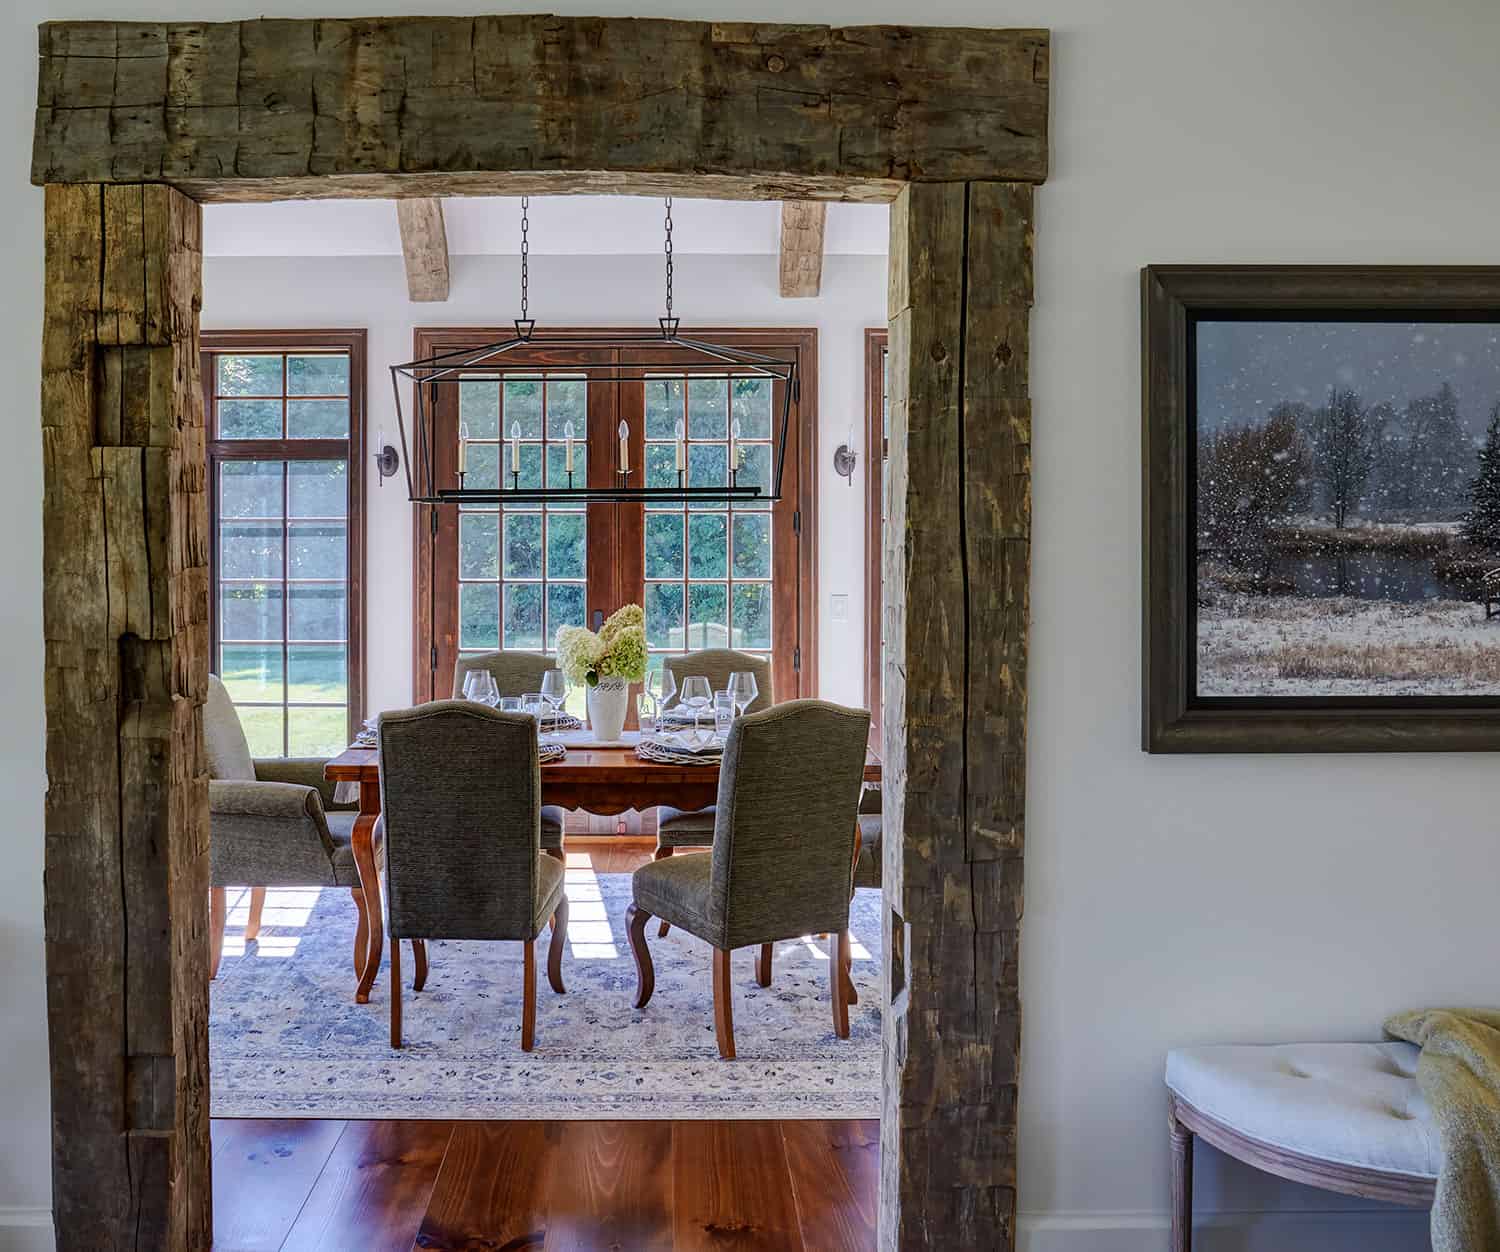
(1349, 1103)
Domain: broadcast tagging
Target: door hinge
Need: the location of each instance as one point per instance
(433, 661)
(797, 657)
(797, 391)
(432, 519)
(797, 521)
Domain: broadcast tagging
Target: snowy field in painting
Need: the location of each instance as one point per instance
(1254, 645)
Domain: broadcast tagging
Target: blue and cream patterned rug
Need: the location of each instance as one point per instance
(287, 1039)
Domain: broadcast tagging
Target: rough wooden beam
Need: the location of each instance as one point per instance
(957, 547)
(196, 104)
(802, 224)
(125, 612)
(424, 245)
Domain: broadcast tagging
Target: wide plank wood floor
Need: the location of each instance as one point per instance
(656, 1186)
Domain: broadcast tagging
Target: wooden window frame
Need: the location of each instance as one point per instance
(353, 341)
(798, 512)
(877, 343)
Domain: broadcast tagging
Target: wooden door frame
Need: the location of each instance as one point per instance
(429, 340)
(137, 121)
(876, 341)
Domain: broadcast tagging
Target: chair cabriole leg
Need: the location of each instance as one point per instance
(723, 1005)
(419, 955)
(555, 948)
(528, 996)
(763, 964)
(838, 976)
(257, 905)
(218, 917)
(395, 992)
(635, 925)
(661, 932)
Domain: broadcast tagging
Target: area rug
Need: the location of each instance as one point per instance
(287, 1040)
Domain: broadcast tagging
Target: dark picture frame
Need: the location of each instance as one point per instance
(1175, 718)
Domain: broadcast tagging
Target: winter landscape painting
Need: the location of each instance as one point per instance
(1346, 506)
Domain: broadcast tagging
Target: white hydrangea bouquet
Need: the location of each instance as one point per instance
(606, 664)
(617, 651)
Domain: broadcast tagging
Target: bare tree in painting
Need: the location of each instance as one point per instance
(1250, 478)
(1343, 452)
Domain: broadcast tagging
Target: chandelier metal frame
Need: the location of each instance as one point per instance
(665, 355)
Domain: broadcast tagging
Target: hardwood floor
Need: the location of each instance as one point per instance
(382, 1186)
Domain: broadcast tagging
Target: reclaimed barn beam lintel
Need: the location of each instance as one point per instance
(271, 109)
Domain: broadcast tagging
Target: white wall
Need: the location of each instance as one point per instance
(370, 291)
(1169, 900)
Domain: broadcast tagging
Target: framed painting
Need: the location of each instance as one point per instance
(1322, 508)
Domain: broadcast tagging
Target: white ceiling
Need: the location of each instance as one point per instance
(560, 225)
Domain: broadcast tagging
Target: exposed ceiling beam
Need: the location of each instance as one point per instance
(802, 246)
(424, 245)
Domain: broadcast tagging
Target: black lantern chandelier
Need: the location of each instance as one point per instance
(438, 474)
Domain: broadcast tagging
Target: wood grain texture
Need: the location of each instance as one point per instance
(373, 1191)
(731, 1188)
(957, 544)
(424, 248)
(492, 1192)
(610, 1186)
(125, 600)
(801, 268)
(284, 104)
(835, 1171)
(263, 1173)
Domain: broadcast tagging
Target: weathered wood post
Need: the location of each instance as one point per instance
(957, 554)
(125, 612)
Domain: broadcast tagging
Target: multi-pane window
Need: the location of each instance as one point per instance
(708, 575)
(522, 568)
(282, 437)
(708, 566)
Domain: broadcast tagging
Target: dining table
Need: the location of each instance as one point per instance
(597, 778)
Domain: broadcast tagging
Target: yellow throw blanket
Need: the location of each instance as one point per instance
(1459, 1073)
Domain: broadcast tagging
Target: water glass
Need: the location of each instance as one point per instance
(646, 711)
(723, 714)
(533, 704)
(510, 704)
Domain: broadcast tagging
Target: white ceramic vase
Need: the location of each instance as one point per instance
(608, 704)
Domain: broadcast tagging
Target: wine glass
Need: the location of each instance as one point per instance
(471, 680)
(555, 690)
(486, 690)
(661, 686)
(743, 688)
(696, 694)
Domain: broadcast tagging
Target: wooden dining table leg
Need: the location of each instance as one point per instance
(361, 931)
(369, 883)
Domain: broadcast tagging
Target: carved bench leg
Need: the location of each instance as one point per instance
(1182, 1184)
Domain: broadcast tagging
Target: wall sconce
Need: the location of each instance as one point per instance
(845, 458)
(387, 459)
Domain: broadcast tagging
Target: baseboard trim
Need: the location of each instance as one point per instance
(1318, 1230)
(25, 1229)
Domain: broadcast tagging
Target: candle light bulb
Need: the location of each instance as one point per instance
(515, 447)
(624, 447)
(463, 447)
(568, 455)
(681, 446)
(734, 444)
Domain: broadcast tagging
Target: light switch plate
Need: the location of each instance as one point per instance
(838, 607)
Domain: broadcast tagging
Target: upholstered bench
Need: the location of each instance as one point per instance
(1347, 1117)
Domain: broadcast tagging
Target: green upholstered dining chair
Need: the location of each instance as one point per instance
(460, 815)
(679, 828)
(783, 852)
(272, 823)
(871, 827)
(516, 674)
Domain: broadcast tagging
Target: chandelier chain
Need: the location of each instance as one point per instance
(669, 257)
(525, 253)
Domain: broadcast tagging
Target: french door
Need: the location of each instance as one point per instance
(708, 575)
